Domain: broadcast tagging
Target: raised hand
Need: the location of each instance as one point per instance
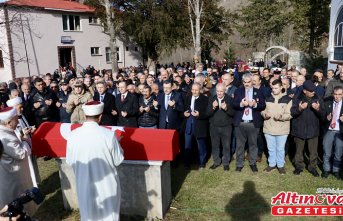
(316, 106)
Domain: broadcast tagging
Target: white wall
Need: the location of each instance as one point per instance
(336, 6)
(45, 36)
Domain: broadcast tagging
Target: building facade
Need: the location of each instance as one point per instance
(335, 48)
(39, 36)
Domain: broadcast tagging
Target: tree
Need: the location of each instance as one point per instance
(156, 26)
(311, 23)
(111, 14)
(210, 25)
(262, 20)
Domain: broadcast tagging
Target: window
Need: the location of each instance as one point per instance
(108, 55)
(127, 48)
(71, 23)
(1, 60)
(136, 49)
(95, 51)
(93, 20)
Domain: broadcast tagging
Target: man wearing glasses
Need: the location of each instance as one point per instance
(248, 103)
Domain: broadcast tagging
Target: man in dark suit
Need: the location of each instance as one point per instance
(27, 110)
(196, 124)
(127, 107)
(248, 103)
(109, 114)
(170, 105)
(333, 137)
(220, 112)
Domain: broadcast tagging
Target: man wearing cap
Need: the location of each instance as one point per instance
(24, 126)
(94, 153)
(307, 112)
(14, 170)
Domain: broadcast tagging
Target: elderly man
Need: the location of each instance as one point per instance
(14, 166)
(248, 103)
(307, 111)
(220, 114)
(109, 114)
(127, 106)
(230, 89)
(94, 153)
(196, 124)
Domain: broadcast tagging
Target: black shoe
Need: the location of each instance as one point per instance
(226, 168)
(336, 174)
(314, 172)
(325, 174)
(297, 171)
(254, 168)
(239, 169)
(214, 166)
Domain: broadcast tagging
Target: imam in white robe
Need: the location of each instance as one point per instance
(94, 152)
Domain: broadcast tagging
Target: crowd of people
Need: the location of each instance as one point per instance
(231, 114)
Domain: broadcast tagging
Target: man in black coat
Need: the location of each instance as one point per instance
(148, 115)
(109, 114)
(170, 105)
(27, 109)
(43, 102)
(196, 124)
(307, 112)
(127, 107)
(220, 112)
(61, 104)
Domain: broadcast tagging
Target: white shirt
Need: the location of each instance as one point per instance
(192, 102)
(166, 99)
(249, 95)
(337, 115)
(102, 96)
(220, 101)
(125, 94)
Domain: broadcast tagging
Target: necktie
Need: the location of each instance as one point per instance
(101, 98)
(334, 116)
(122, 98)
(247, 109)
(166, 103)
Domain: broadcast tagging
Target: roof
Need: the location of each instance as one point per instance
(59, 5)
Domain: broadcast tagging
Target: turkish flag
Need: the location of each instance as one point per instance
(50, 139)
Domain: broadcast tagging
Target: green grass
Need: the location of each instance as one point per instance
(205, 194)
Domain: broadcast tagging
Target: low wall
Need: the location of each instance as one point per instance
(145, 187)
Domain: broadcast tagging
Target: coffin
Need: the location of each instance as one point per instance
(138, 143)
